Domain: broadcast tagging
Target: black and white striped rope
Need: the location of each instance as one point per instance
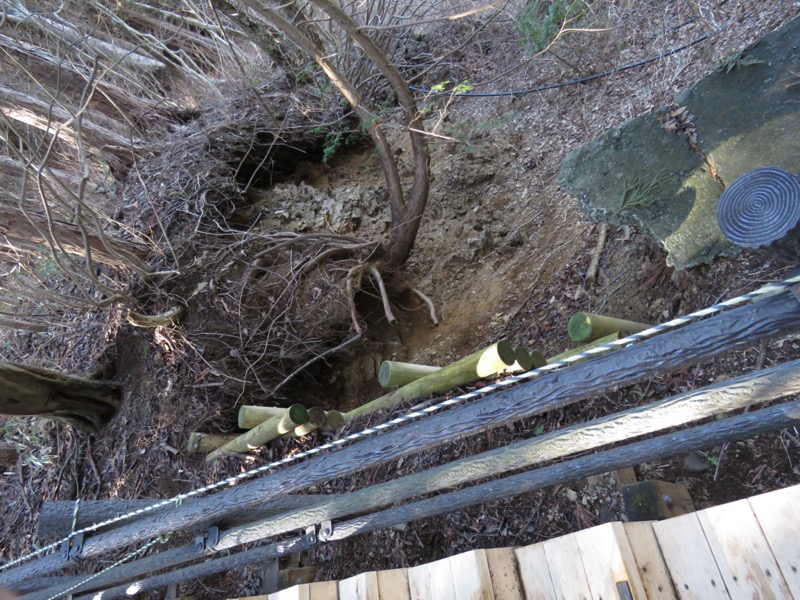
(768, 289)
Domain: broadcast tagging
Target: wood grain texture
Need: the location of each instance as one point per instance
(711, 434)
(471, 577)
(778, 514)
(393, 585)
(323, 590)
(566, 569)
(773, 316)
(198, 571)
(440, 576)
(688, 557)
(535, 573)
(652, 568)
(743, 555)
(608, 560)
(363, 586)
(504, 571)
(297, 592)
(419, 584)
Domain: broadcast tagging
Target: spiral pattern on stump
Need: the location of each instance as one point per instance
(760, 207)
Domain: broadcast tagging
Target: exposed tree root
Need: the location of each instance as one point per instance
(429, 303)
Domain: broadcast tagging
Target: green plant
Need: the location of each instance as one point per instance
(713, 460)
(636, 194)
(539, 25)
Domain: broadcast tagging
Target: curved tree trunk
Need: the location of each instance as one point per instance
(84, 403)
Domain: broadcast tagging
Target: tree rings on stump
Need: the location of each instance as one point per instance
(761, 211)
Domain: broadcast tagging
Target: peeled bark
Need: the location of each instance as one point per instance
(86, 404)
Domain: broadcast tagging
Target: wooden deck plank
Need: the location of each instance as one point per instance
(363, 586)
(608, 561)
(503, 569)
(652, 568)
(471, 577)
(323, 590)
(566, 569)
(393, 585)
(440, 576)
(778, 513)
(743, 555)
(535, 573)
(419, 585)
(688, 557)
(296, 592)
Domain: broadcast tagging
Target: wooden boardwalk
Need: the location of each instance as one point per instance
(746, 549)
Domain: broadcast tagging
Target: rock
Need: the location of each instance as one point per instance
(740, 117)
(694, 463)
(571, 495)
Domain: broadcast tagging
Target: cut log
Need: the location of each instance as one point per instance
(599, 342)
(526, 360)
(761, 211)
(250, 416)
(263, 433)
(333, 420)
(484, 363)
(316, 419)
(203, 443)
(588, 327)
(393, 373)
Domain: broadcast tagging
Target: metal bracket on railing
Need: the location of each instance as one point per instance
(311, 534)
(72, 547)
(325, 531)
(207, 539)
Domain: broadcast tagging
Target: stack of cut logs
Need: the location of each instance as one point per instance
(411, 382)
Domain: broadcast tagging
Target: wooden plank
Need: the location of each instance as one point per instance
(419, 585)
(652, 568)
(393, 585)
(775, 315)
(363, 586)
(503, 569)
(566, 569)
(440, 576)
(535, 573)
(743, 555)
(297, 592)
(471, 577)
(778, 513)
(608, 561)
(688, 557)
(323, 590)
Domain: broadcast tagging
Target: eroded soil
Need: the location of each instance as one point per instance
(502, 252)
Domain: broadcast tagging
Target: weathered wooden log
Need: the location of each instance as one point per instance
(704, 436)
(587, 327)
(484, 363)
(204, 569)
(698, 404)
(263, 433)
(55, 518)
(573, 351)
(250, 416)
(393, 373)
(203, 443)
(761, 211)
(774, 316)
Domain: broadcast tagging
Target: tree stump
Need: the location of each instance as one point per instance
(761, 211)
